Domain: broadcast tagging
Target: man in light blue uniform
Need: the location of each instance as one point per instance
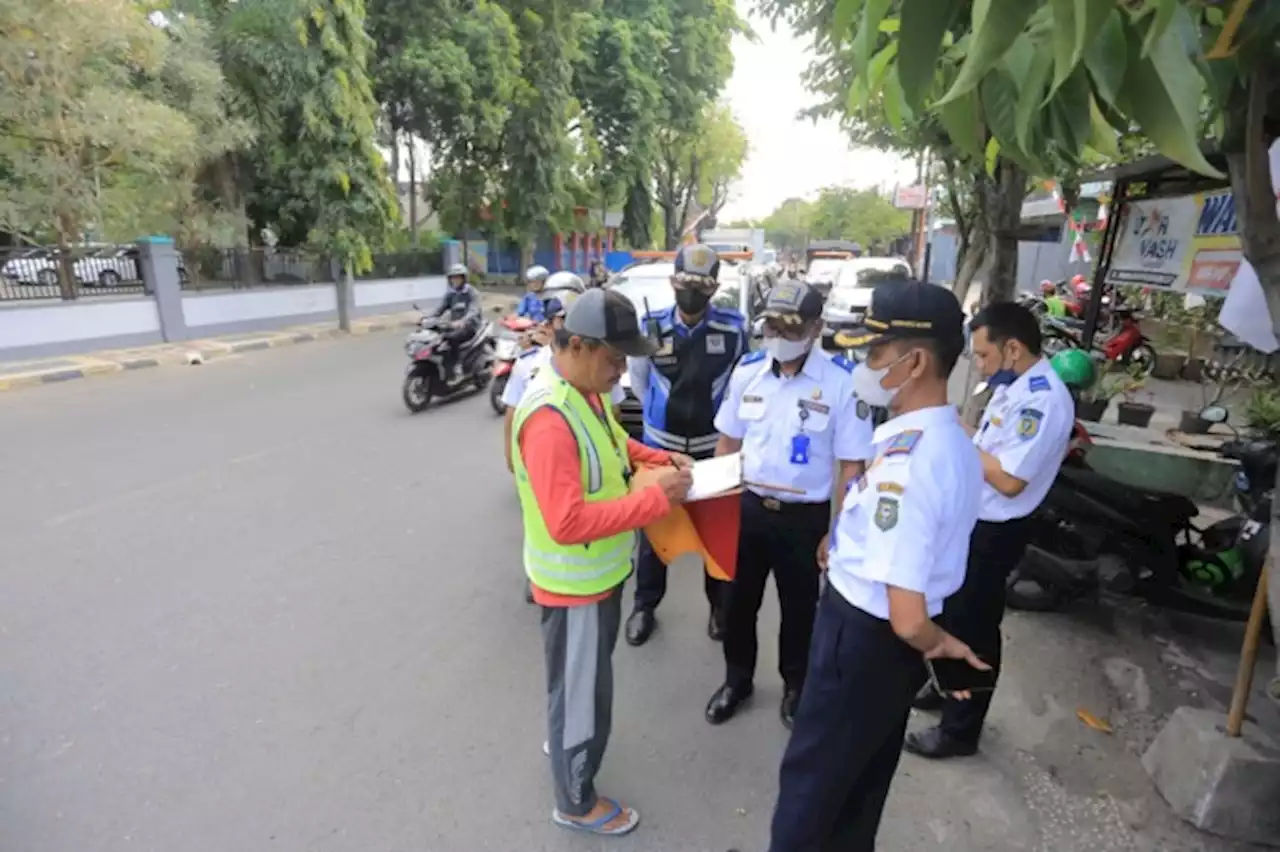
(792, 412)
(899, 550)
(680, 387)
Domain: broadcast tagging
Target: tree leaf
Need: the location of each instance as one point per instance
(873, 12)
(879, 65)
(960, 119)
(1162, 92)
(1106, 57)
(996, 26)
(991, 156)
(924, 24)
(1072, 104)
(1102, 137)
(842, 19)
(1032, 95)
(896, 109)
(1160, 20)
(1076, 24)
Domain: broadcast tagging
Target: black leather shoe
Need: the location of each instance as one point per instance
(790, 701)
(726, 701)
(927, 698)
(640, 625)
(936, 744)
(715, 626)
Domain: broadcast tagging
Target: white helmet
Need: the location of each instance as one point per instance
(536, 273)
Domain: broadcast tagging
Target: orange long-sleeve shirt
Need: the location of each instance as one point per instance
(550, 454)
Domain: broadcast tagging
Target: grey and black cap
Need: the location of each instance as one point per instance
(793, 302)
(609, 317)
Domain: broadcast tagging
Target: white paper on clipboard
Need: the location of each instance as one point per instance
(713, 477)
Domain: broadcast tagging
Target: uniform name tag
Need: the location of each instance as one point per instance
(715, 344)
(814, 406)
(751, 407)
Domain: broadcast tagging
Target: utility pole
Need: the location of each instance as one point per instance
(920, 219)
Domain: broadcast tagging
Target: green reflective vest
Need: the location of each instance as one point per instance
(574, 569)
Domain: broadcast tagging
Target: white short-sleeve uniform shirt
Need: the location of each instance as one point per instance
(1027, 427)
(795, 428)
(907, 521)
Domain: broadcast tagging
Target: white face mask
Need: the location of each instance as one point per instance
(784, 351)
(867, 387)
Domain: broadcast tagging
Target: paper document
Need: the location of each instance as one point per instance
(713, 477)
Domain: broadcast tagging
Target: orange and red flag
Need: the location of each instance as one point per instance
(708, 528)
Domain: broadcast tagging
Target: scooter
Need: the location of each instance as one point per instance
(505, 352)
(426, 379)
(1127, 346)
(1092, 532)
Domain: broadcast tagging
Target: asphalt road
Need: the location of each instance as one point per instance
(256, 605)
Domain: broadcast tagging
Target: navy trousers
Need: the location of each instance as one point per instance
(848, 732)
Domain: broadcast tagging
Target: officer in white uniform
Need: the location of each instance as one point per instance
(897, 553)
(791, 409)
(1023, 439)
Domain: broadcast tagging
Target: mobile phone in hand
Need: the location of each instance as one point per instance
(949, 676)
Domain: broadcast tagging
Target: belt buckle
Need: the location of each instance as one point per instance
(773, 504)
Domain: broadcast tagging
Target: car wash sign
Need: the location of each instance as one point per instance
(1186, 242)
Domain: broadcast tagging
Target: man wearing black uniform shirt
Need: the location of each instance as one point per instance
(680, 388)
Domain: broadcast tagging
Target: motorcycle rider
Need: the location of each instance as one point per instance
(680, 387)
(1053, 304)
(462, 305)
(531, 304)
(1022, 441)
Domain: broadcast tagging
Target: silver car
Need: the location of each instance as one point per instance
(851, 292)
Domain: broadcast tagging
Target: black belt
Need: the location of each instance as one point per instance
(773, 504)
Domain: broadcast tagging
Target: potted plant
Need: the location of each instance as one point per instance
(1262, 412)
(1092, 403)
(1131, 412)
(1218, 381)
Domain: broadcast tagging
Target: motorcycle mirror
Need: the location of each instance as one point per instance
(979, 389)
(1214, 414)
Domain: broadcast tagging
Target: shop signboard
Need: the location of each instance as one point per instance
(1185, 242)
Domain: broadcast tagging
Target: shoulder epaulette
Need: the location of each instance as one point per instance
(752, 357)
(903, 443)
(843, 363)
(528, 353)
(1038, 383)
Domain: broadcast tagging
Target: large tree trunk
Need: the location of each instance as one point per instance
(1004, 210)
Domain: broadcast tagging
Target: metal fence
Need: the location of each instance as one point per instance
(33, 273)
(406, 264)
(239, 268)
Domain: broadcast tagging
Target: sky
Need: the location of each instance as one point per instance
(787, 156)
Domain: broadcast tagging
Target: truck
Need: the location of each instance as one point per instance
(737, 240)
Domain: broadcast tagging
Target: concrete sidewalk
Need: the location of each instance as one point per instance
(25, 374)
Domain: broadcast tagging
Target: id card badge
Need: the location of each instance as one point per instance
(800, 449)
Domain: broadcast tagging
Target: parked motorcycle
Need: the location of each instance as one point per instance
(425, 378)
(1092, 532)
(1127, 345)
(505, 352)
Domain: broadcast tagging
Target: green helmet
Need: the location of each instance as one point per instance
(1074, 367)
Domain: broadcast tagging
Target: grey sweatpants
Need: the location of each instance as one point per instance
(578, 642)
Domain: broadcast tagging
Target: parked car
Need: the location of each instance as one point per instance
(648, 286)
(31, 266)
(108, 266)
(851, 291)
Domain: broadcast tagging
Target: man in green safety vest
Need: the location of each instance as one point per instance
(585, 488)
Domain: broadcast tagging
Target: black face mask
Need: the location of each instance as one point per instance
(692, 302)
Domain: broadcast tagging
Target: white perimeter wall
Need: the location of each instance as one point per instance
(22, 327)
(256, 305)
(372, 294)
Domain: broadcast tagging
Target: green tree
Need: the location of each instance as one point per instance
(95, 97)
(446, 73)
(697, 167)
(789, 225)
(861, 215)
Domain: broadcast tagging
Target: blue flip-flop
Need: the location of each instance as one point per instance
(597, 826)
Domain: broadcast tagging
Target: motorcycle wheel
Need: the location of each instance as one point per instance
(1145, 355)
(416, 391)
(495, 395)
